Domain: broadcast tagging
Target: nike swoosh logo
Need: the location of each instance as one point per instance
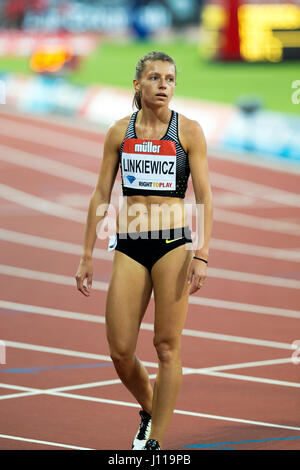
(170, 241)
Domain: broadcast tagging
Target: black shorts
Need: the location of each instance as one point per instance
(148, 247)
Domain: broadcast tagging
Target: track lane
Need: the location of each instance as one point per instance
(56, 295)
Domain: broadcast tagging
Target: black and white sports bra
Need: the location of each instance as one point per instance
(154, 167)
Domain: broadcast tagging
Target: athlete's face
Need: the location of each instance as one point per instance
(157, 83)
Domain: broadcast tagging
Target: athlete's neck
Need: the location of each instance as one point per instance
(154, 118)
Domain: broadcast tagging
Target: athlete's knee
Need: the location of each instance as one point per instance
(167, 350)
(121, 356)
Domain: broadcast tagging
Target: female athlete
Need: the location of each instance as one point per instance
(157, 149)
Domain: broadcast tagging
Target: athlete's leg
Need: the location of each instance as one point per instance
(127, 299)
(171, 292)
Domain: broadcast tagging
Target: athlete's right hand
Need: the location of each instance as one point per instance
(85, 270)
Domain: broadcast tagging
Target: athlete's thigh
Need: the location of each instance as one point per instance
(171, 292)
(127, 299)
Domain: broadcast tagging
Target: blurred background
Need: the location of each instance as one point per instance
(238, 63)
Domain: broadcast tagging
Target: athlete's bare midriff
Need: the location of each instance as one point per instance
(148, 213)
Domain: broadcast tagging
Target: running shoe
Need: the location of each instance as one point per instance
(152, 444)
(144, 431)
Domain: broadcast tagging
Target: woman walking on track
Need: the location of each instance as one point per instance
(157, 149)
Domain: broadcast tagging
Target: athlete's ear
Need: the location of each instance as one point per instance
(136, 85)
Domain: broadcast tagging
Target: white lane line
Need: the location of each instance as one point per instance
(46, 277)
(254, 222)
(243, 307)
(258, 191)
(255, 250)
(182, 412)
(243, 157)
(54, 139)
(238, 339)
(61, 122)
(256, 159)
(47, 443)
(249, 378)
(103, 383)
(253, 278)
(98, 253)
(24, 391)
(91, 385)
(41, 205)
(229, 217)
(72, 143)
(54, 245)
(240, 276)
(31, 392)
(246, 365)
(65, 352)
(66, 212)
(73, 173)
(103, 286)
(18, 395)
(204, 371)
(236, 420)
(101, 357)
(209, 371)
(33, 309)
(48, 166)
(213, 371)
(185, 370)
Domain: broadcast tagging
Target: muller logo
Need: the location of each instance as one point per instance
(147, 147)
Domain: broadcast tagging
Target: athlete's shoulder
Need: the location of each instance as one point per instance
(190, 132)
(117, 130)
(189, 125)
(120, 125)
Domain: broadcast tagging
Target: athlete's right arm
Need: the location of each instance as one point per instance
(100, 199)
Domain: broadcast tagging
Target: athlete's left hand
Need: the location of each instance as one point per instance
(196, 275)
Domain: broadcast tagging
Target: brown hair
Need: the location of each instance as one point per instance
(140, 67)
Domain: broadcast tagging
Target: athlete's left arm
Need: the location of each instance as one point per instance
(197, 151)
